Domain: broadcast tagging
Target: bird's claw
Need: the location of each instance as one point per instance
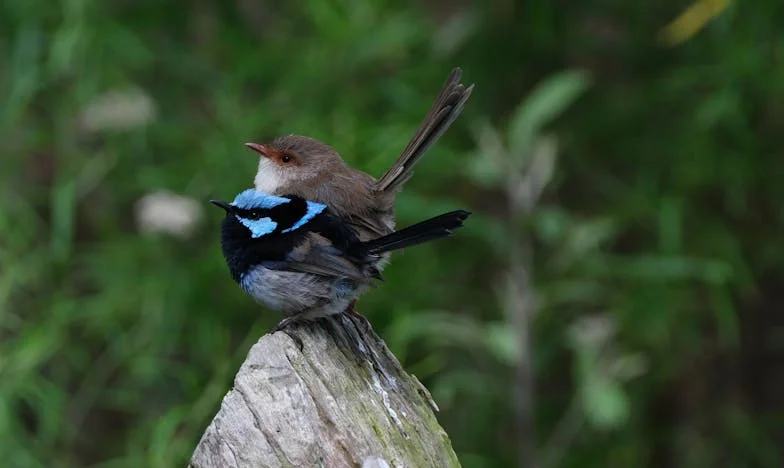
(283, 326)
(362, 319)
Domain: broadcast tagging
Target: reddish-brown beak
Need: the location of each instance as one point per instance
(261, 149)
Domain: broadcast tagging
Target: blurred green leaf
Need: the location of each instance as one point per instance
(63, 212)
(628, 366)
(605, 403)
(670, 268)
(485, 171)
(671, 225)
(488, 167)
(546, 101)
(502, 342)
(22, 75)
(717, 108)
(588, 235)
(551, 223)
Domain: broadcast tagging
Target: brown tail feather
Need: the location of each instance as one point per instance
(444, 111)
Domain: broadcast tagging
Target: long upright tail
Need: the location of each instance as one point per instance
(444, 111)
(433, 228)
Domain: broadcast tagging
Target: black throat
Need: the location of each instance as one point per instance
(243, 252)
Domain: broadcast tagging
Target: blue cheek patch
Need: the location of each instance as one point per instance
(250, 199)
(313, 209)
(259, 227)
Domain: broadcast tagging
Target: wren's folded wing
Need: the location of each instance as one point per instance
(317, 258)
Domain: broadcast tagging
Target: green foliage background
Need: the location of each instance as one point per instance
(658, 339)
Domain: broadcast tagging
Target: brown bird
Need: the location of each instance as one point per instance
(311, 169)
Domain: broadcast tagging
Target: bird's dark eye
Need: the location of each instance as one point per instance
(286, 158)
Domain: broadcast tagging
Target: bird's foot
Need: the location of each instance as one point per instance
(283, 326)
(352, 311)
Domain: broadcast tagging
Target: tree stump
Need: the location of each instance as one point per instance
(341, 401)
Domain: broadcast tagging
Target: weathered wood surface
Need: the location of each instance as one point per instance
(333, 404)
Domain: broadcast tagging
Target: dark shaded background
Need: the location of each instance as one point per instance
(653, 249)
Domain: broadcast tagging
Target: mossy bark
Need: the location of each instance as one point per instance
(342, 401)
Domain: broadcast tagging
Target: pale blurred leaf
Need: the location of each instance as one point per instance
(500, 339)
(118, 110)
(168, 213)
(587, 236)
(484, 172)
(487, 167)
(454, 32)
(605, 403)
(587, 334)
(551, 223)
(542, 167)
(628, 366)
(545, 102)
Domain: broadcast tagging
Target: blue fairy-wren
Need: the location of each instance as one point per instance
(298, 257)
(313, 170)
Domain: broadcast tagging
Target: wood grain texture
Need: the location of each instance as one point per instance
(343, 401)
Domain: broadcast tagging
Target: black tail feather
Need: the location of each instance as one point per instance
(430, 229)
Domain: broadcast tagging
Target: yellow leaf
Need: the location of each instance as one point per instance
(692, 20)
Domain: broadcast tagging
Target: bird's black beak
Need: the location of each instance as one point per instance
(261, 149)
(223, 205)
